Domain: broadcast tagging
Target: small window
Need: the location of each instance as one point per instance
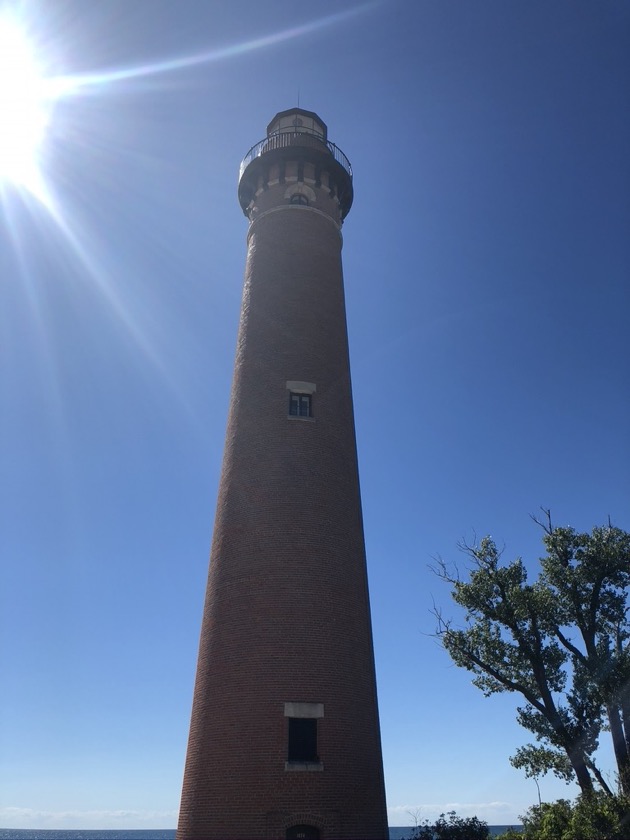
(299, 198)
(300, 405)
(303, 739)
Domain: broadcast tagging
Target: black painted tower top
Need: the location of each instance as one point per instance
(296, 135)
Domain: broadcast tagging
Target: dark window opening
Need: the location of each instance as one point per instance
(303, 739)
(299, 198)
(300, 405)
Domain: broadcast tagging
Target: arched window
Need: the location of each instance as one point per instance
(302, 832)
(299, 198)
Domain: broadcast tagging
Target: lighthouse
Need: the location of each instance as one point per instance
(284, 736)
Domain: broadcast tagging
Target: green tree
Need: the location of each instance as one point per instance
(453, 828)
(596, 817)
(548, 821)
(561, 642)
(588, 576)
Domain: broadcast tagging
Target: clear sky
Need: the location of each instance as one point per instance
(487, 264)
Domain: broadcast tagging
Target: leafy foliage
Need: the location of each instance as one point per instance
(536, 761)
(561, 642)
(594, 817)
(547, 821)
(453, 828)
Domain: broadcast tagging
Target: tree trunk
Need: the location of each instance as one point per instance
(625, 714)
(583, 777)
(620, 747)
(602, 781)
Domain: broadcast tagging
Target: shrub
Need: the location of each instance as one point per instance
(594, 817)
(455, 828)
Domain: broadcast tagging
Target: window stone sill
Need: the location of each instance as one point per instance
(303, 765)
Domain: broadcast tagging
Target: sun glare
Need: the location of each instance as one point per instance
(24, 108)
(28, 94)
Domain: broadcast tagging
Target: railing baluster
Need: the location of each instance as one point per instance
(282, 139)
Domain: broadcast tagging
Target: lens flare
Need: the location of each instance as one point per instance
(34, 136)
(28, 95)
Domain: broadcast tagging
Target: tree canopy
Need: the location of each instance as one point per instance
(561, 641)
(453, 828)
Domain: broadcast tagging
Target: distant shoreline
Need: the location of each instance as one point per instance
(396, 832)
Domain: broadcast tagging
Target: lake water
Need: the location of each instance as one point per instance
(395, 833)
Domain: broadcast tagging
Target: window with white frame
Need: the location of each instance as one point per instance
(300, 398)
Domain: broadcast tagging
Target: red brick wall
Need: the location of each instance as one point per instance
(286, 616)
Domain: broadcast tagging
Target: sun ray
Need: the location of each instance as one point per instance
(75, 84)
(28, 95)
(27, 101)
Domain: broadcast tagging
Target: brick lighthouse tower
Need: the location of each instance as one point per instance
(284, 737)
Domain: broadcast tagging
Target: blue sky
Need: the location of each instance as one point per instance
(486, 264)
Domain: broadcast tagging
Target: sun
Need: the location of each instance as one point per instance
(25, 106)
(28, 92)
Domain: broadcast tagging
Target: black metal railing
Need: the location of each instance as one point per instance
(284, 139)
